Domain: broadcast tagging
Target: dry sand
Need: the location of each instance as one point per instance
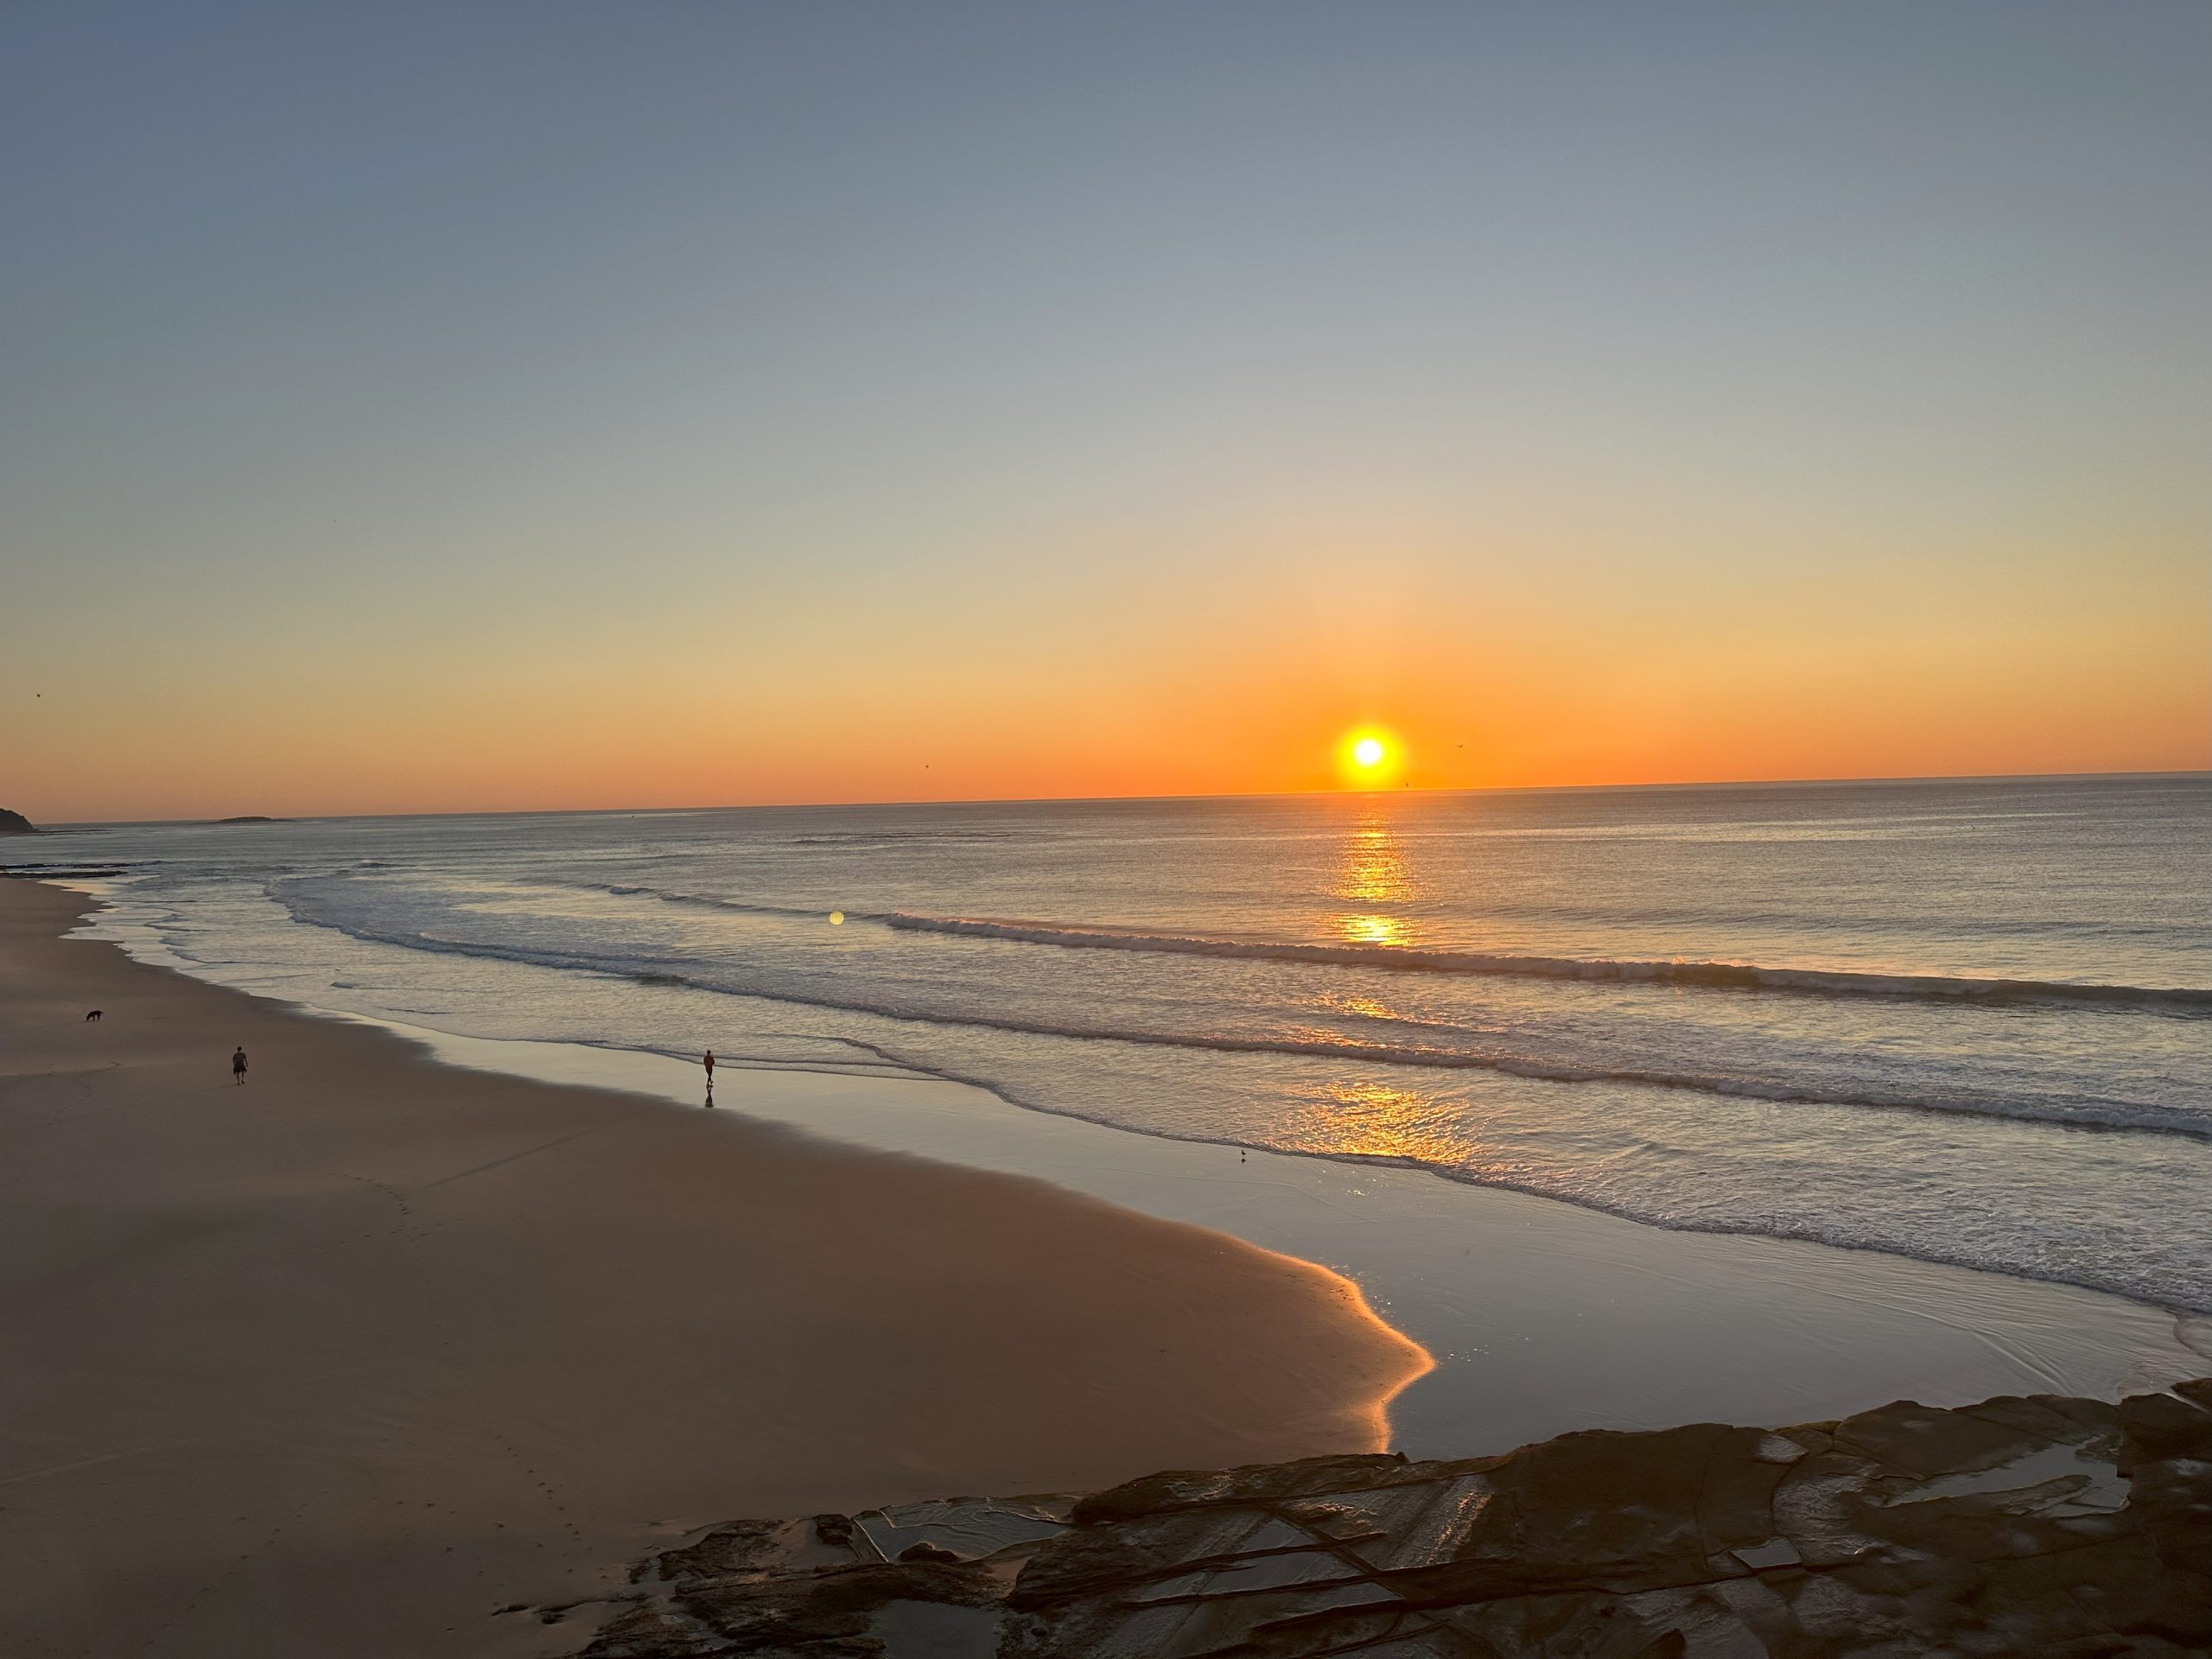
(341, 1362)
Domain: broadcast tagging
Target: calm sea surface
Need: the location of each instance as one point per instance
(1969, 1022)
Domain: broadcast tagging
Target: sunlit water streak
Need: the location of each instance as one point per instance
(1965, 1022)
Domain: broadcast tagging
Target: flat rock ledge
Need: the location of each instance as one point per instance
(2042, 1526)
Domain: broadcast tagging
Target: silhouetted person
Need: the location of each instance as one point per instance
(709, 1063)
(238, 1066)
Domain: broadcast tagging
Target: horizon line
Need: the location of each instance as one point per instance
(1103, 800)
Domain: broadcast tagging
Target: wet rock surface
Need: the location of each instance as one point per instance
(2022, 1526)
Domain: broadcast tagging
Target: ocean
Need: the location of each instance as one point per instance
(1968, 1022)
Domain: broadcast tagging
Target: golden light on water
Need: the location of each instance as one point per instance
(1374, 868)
(1374, 873)
(1360, 1118)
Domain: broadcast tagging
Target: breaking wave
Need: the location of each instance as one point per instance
(700, 900)
(1706, 975)
(2087, 1113)
(1720, 975)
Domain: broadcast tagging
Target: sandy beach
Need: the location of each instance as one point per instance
(347, 1358)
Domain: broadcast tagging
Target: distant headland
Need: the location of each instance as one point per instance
(253, 817)
(14, 824)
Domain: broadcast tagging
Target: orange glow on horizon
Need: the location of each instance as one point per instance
(570, 716)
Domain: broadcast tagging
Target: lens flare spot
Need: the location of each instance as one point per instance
(836, 919)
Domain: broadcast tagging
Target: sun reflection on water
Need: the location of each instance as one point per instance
(1366, 1006)
(1379, 1119)
(1374, 872)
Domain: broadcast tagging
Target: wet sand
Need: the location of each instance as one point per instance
(1542, 1317)
(345, 1360)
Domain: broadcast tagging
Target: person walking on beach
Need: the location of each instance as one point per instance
(709, 1063)
(237, 1065)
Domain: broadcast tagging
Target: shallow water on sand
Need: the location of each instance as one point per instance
(1958, 1023)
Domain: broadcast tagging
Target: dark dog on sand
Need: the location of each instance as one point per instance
(94, 1014)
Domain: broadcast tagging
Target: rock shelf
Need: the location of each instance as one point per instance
(2043, 1525)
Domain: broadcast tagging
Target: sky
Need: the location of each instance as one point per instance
(446, 407)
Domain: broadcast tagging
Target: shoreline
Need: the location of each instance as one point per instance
(349, 1356)
(1534, 1308)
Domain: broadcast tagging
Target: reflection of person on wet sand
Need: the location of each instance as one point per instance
(709, 1063)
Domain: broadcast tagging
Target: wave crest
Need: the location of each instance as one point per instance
(2089, 1114)
(1714, 975)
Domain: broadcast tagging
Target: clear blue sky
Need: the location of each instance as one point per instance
(396, 370)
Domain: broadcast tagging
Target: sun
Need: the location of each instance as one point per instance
(1368, 757)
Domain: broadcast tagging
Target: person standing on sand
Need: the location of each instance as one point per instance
(237, 1065)
(709, 1063)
